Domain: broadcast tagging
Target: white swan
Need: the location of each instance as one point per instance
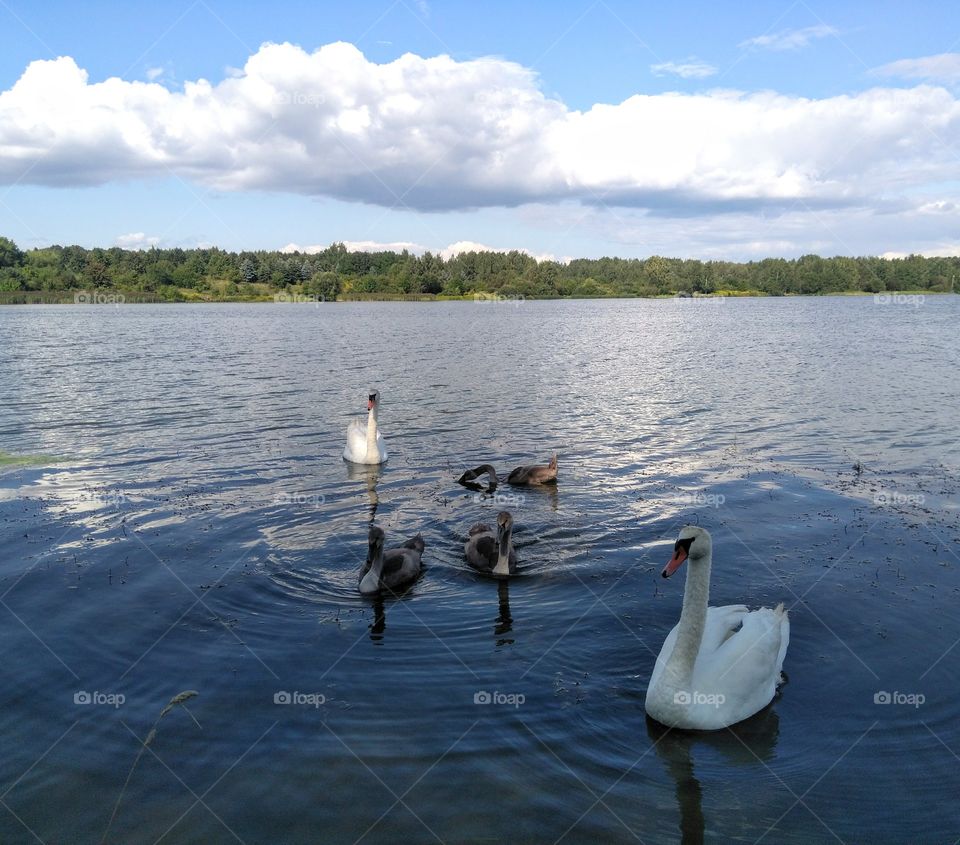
(364, 442)
(719, 665)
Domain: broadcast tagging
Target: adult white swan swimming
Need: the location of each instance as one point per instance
(719, 665)
(364, 442)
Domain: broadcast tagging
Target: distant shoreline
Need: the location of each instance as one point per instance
(74, 274)
(122, 297)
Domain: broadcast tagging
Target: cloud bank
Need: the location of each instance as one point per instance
(439, 134)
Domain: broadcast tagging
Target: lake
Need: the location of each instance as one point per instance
(176, 517)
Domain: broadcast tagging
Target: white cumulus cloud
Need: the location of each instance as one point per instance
(472, 246)
(136, 240)
(358, 246)
(417, 249)
(438, 134)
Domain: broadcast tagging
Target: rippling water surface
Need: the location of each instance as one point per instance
(176, 516)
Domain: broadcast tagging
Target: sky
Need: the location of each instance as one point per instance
(565, 129)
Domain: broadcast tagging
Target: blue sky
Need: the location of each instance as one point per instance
(760, 129)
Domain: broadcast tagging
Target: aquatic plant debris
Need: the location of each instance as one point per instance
(8, 459)
(179, 698)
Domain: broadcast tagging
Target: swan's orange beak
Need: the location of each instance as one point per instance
(369, 404)
(679, 556)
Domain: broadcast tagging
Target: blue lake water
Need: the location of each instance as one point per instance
(193, 528)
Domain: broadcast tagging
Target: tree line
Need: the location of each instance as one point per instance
(214, 274)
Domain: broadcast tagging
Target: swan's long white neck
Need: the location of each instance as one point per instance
(371, 580)
(503, 557)
(372, 432)
(693, 619)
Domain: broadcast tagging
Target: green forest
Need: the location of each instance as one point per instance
(58, 273)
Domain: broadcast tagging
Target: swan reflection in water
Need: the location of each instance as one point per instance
(379, 624)
(504, 623)
(371, 475)
(750, 743)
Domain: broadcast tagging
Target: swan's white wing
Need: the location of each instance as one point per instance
(745, 668)
(721, 623)
(381, 446)
(356, 448)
